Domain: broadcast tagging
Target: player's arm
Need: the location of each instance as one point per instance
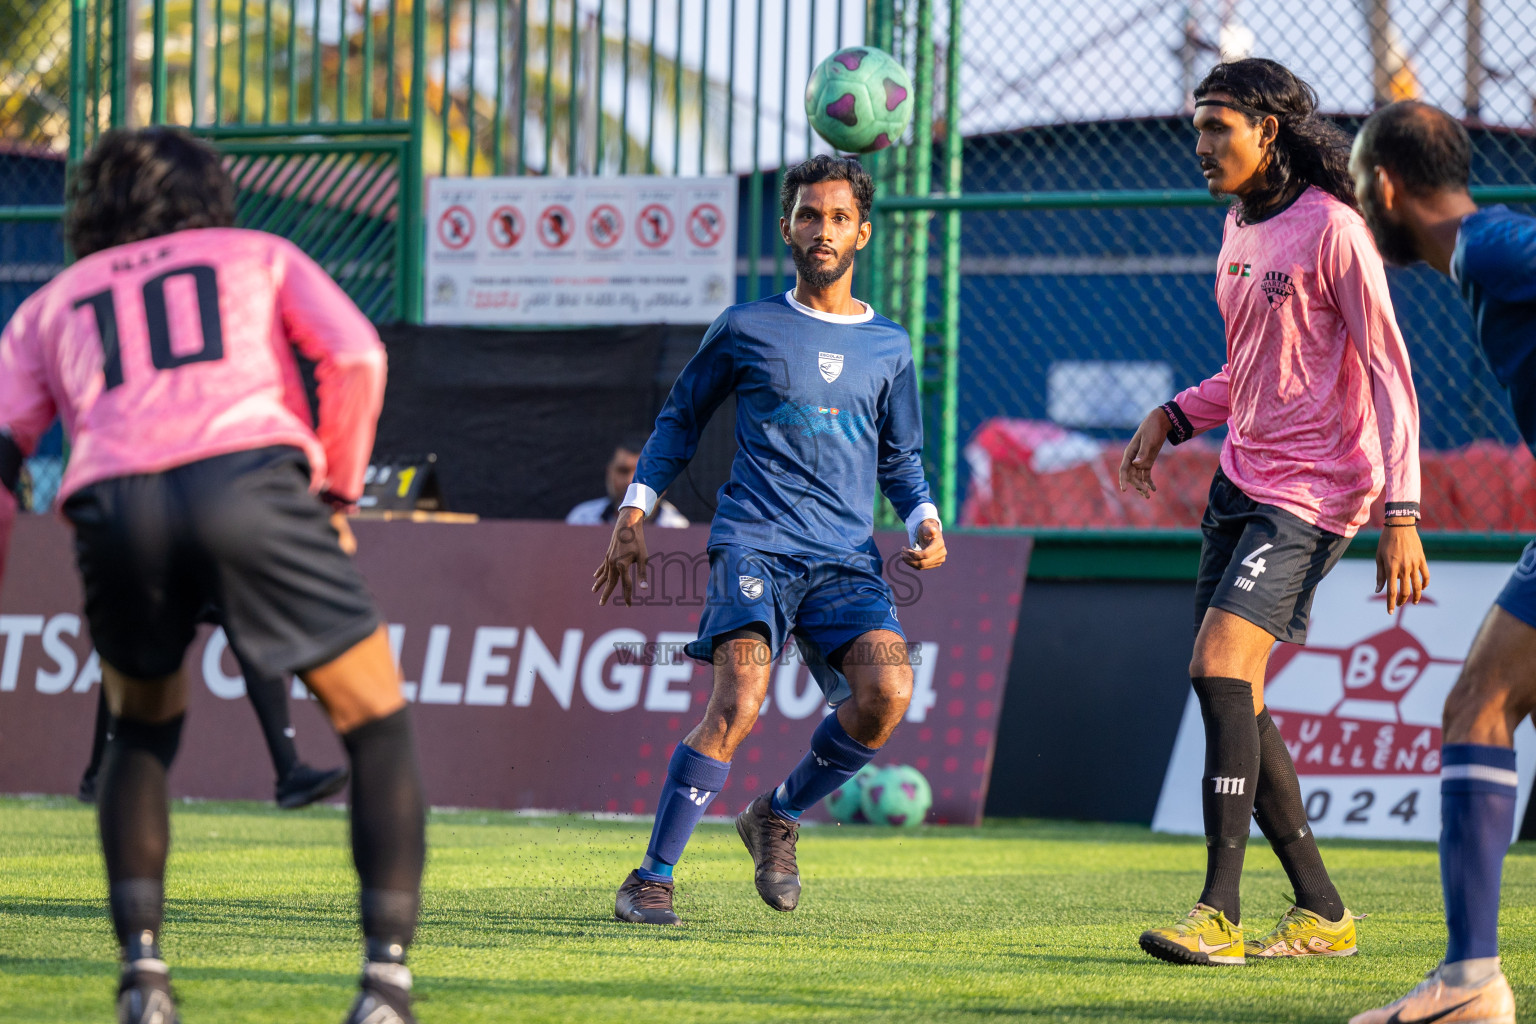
(325, 325)
(704, 383)
(26, 410)
(1353, 272)
(1194, 411)
(900, 472)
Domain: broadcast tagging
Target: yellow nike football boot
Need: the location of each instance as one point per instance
(1204, 936)
(1303, 933)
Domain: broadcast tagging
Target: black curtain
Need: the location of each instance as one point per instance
(524, 422)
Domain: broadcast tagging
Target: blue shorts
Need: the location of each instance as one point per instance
(822, 603)
(1519, 594)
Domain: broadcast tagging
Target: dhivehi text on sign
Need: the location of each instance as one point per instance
(626, 250)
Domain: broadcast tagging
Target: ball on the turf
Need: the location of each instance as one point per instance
(859, 99)
(898, 796)
(846, 802)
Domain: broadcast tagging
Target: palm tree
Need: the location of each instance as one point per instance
(34, 74)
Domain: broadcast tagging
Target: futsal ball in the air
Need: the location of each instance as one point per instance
(898, 796)
(859, 99)
(846, 802)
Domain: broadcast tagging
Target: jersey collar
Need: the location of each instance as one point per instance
(831, 318)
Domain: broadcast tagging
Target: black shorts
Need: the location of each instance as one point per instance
(240, 532)
(1261, 563)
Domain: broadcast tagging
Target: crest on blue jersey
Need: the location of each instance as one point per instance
(830, 364)
(751, 586)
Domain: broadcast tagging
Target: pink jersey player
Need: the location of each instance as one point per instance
(1321, 414)
(178, 348)
(1316, 391)
(168, 350)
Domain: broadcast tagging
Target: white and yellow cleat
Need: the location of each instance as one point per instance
(1204, 936)
(1303, 933)
(1488, 1002)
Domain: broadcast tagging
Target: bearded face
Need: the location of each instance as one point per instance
(820, 265)
(1393, 239)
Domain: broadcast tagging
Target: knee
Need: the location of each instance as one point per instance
(1199, 664)
(1483, 696)
(737, 711)
(158, 739)
(884, 700)
(734, 707)
(1202, 663)
(150, 700)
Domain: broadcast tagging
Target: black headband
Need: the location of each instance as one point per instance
(1250, 111)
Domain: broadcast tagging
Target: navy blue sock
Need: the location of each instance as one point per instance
(692, 782)
(834, 758)
(1477, 818)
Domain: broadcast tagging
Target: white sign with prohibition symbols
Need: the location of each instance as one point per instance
(1359, 707)
(623, 250)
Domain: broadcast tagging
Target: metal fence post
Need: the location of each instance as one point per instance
(954, 148)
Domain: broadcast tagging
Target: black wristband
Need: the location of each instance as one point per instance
(1397, 509)
(336, 501)
(10, 462)
(1182, 430)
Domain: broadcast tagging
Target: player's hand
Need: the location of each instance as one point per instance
(930, 551)
(1400, 565)
(1141, 453)
(344, 535)
(626, 548)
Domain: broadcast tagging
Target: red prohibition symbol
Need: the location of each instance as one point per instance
(456, 227)
(505, 227)
(654, 226)
(706, 224)
(605, 225)
(556, 226)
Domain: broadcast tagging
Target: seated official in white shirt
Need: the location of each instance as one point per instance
(621, 470)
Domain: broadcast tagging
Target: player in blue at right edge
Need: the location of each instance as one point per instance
(826, 407)
(1411, 163)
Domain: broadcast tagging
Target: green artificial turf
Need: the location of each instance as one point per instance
(1016, 920)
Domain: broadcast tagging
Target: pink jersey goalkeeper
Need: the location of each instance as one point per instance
(1317, 392)
(178, 348)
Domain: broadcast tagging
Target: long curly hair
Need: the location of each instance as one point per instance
(138, 183)
(1308, 149)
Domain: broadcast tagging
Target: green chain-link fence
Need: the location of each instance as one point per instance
(1059, 284)
(1087, 248)
(332, 111)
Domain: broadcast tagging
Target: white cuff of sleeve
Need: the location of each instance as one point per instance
(641, 497)
(927, 510)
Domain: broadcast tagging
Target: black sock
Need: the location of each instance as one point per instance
(1283, 820)
(134, 818)
(1226, 792)
(268, 694)
(98, 737)
(388, 832)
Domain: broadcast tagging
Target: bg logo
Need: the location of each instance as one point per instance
(1382, 717)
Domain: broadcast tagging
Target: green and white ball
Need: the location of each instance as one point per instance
(846, 802)
(859, 99)
(898, 796)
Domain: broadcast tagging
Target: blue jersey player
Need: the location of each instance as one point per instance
(826, 408)
(1411, 163)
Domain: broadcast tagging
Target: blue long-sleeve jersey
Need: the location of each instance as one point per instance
(1494, 264)
(826, 407)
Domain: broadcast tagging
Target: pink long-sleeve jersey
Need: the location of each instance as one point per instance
(1317, 391)
(173, 349)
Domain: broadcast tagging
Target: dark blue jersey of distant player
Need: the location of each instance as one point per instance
(1495, 265)
(826, 407)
